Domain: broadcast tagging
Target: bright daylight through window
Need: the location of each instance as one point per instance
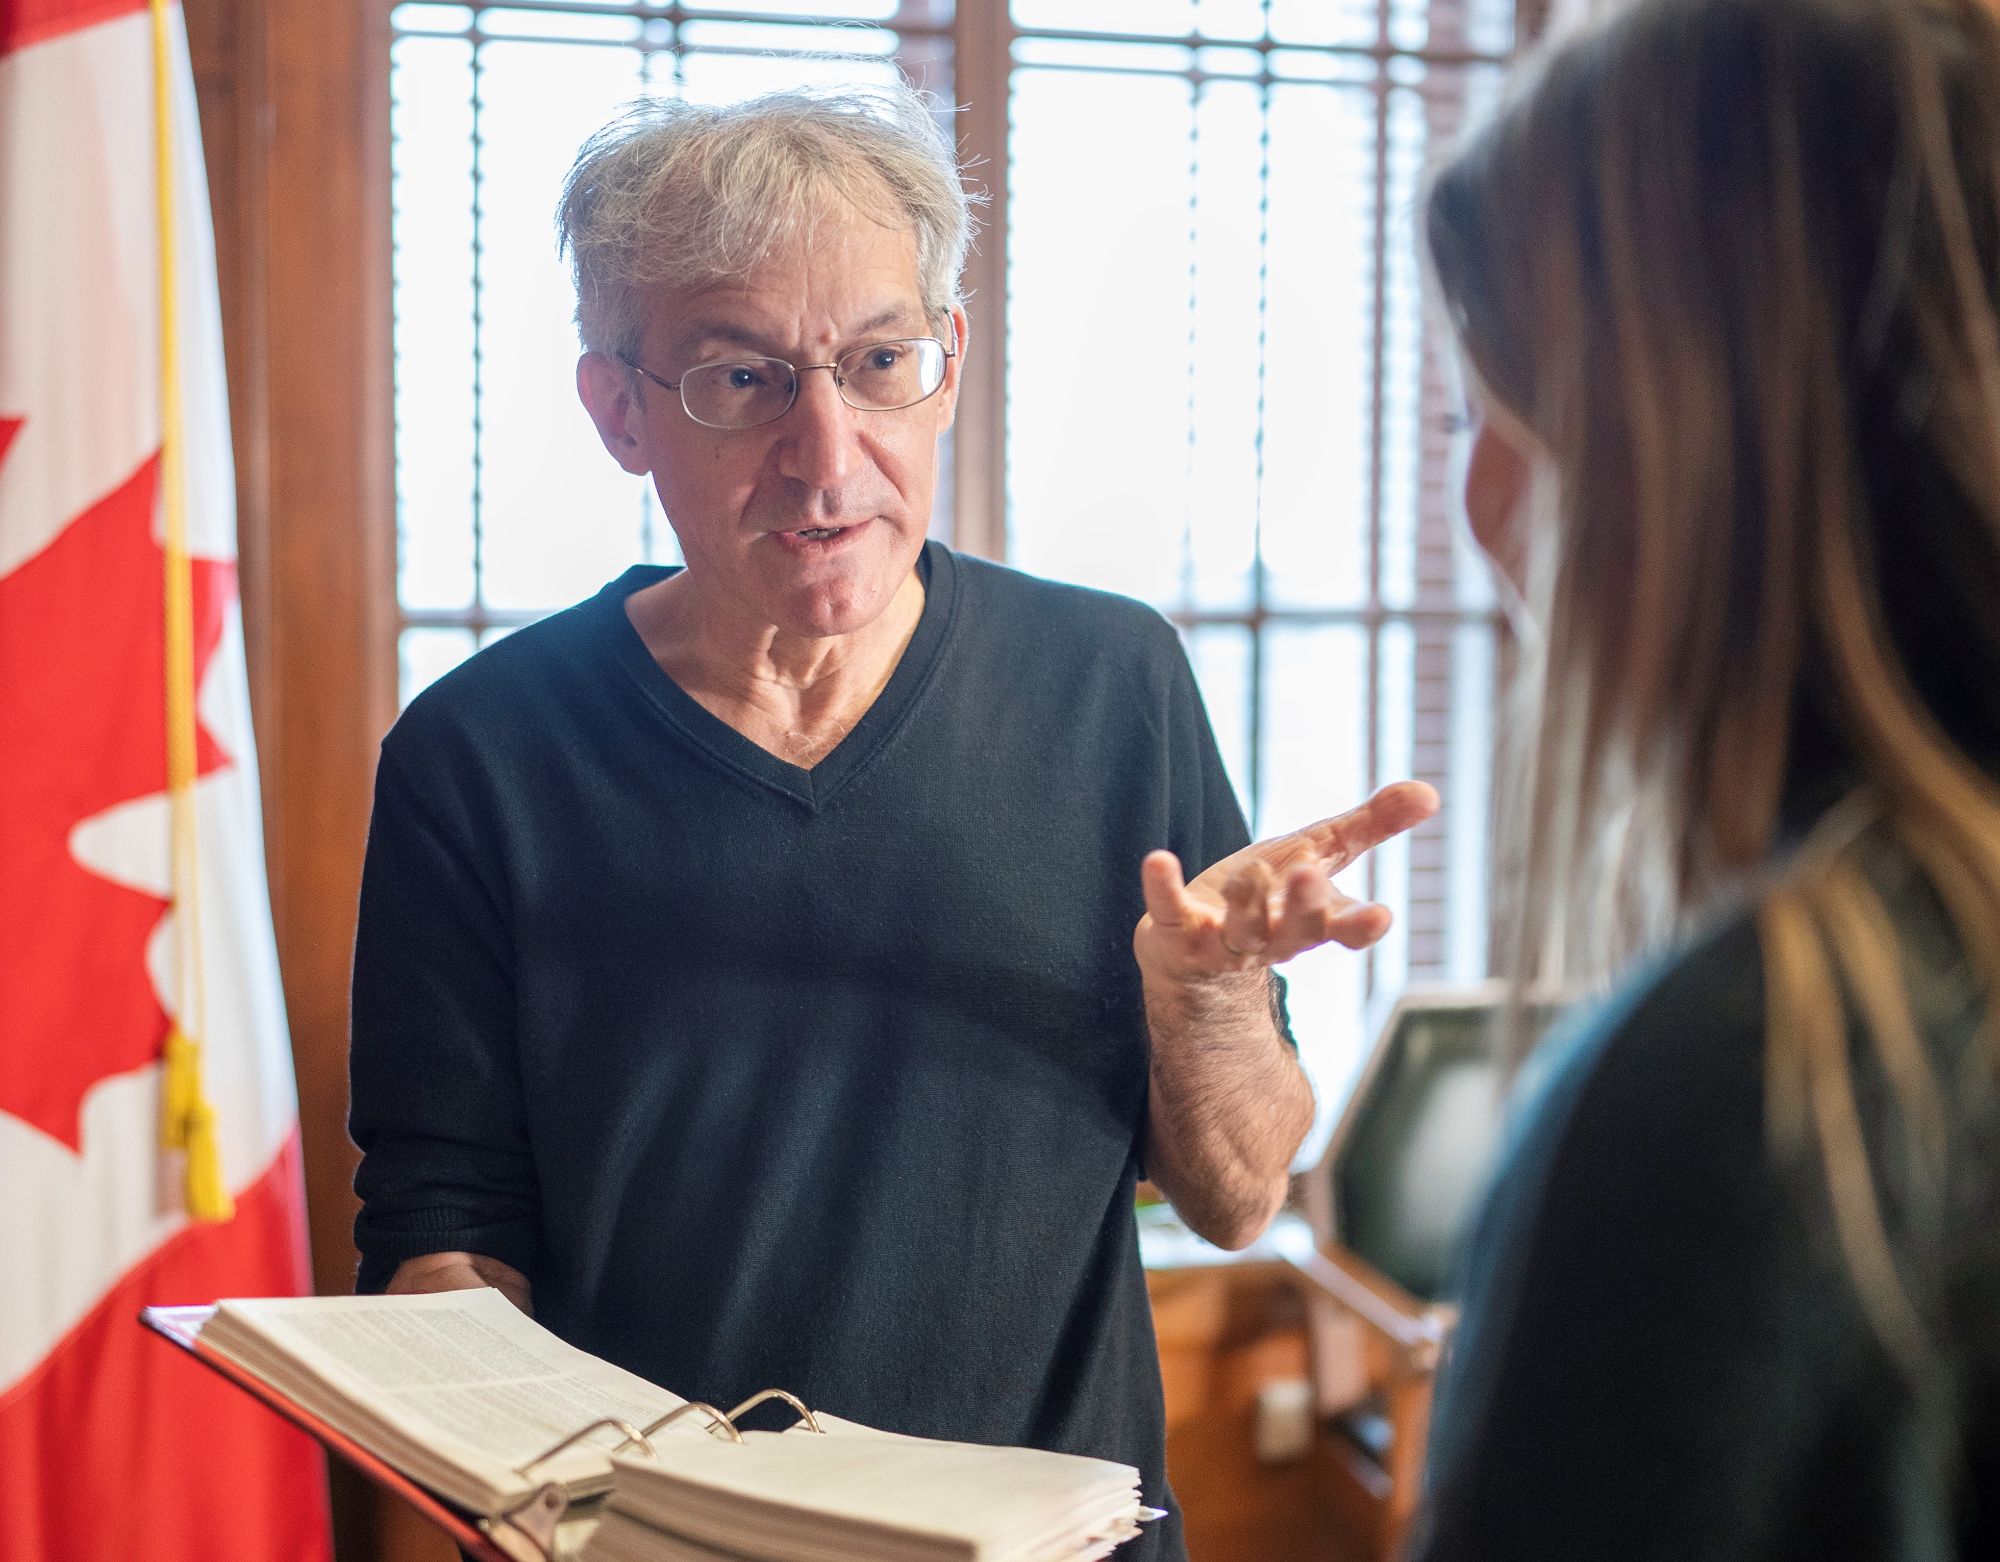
(1220, 395)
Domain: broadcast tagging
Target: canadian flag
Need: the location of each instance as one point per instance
(118, 927)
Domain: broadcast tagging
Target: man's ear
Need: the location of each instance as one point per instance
(954, 367)
(610, 394)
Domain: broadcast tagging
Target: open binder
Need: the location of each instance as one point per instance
(524, 1448)
(532, 1529)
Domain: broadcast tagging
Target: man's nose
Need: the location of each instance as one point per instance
(819, 448)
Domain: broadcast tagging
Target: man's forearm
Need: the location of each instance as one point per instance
(1229, 1104)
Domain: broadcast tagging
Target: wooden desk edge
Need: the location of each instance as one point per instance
(1418, 1331)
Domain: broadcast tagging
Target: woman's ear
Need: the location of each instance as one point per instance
(1498, 472)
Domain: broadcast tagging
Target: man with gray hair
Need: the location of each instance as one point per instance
(780, 971)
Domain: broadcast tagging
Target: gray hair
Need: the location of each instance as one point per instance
(680, 194)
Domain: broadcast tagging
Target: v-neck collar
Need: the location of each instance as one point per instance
(723, 745)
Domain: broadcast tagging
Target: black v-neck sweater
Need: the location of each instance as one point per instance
(830, 1080)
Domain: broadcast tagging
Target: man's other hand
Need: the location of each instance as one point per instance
(461, 1272)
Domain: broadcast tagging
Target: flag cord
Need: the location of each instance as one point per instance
(187, 1116)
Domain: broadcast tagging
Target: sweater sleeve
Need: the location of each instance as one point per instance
(436, 1100)
(1207, 822)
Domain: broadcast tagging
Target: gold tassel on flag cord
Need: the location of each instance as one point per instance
(187, 1117)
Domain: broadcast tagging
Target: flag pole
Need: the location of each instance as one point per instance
(187, 1116)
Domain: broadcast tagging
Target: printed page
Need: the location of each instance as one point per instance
(463, 1374)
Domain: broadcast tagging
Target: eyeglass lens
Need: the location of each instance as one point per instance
(881, 377)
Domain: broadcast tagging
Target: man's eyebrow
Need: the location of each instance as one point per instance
(719, 331)
(726, 333)
(881, 320)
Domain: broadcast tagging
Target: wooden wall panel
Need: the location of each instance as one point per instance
(325, 526)
(294, 107)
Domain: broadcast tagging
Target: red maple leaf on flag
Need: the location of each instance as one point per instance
(83, 728)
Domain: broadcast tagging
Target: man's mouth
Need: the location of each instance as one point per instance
(815, 541)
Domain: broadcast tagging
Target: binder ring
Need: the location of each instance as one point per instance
(534, 1518)
(631, 1436)
(793, 1400)
(716, 1419)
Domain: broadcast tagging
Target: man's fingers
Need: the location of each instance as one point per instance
(1164, 888)
(1246, 919)
(1305, 912)
(1359, 923)
(1396, 808)
(1312, 912)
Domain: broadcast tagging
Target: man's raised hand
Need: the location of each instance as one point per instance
(1271, 900)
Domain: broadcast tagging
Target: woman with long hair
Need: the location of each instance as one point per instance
(1725, 276)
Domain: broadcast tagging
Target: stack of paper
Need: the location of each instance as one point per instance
(857, 1495)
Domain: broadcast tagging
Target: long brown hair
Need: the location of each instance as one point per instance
(1735, 264)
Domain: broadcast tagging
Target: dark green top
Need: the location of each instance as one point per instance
(1663, 1354)
(829, 1080)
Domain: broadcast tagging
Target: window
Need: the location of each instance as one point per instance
(1270, 463)
(1216, 390)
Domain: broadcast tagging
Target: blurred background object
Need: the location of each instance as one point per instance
(1389, 1210)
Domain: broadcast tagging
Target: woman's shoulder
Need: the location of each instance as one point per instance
(1671, 1043)
(1656, 1304)
(1646, 1121)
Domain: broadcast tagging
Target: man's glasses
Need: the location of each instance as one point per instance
(744, 392)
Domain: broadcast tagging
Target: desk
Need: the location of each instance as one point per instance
(1229, 1323)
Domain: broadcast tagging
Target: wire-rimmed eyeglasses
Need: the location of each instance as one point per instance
(744, 392)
